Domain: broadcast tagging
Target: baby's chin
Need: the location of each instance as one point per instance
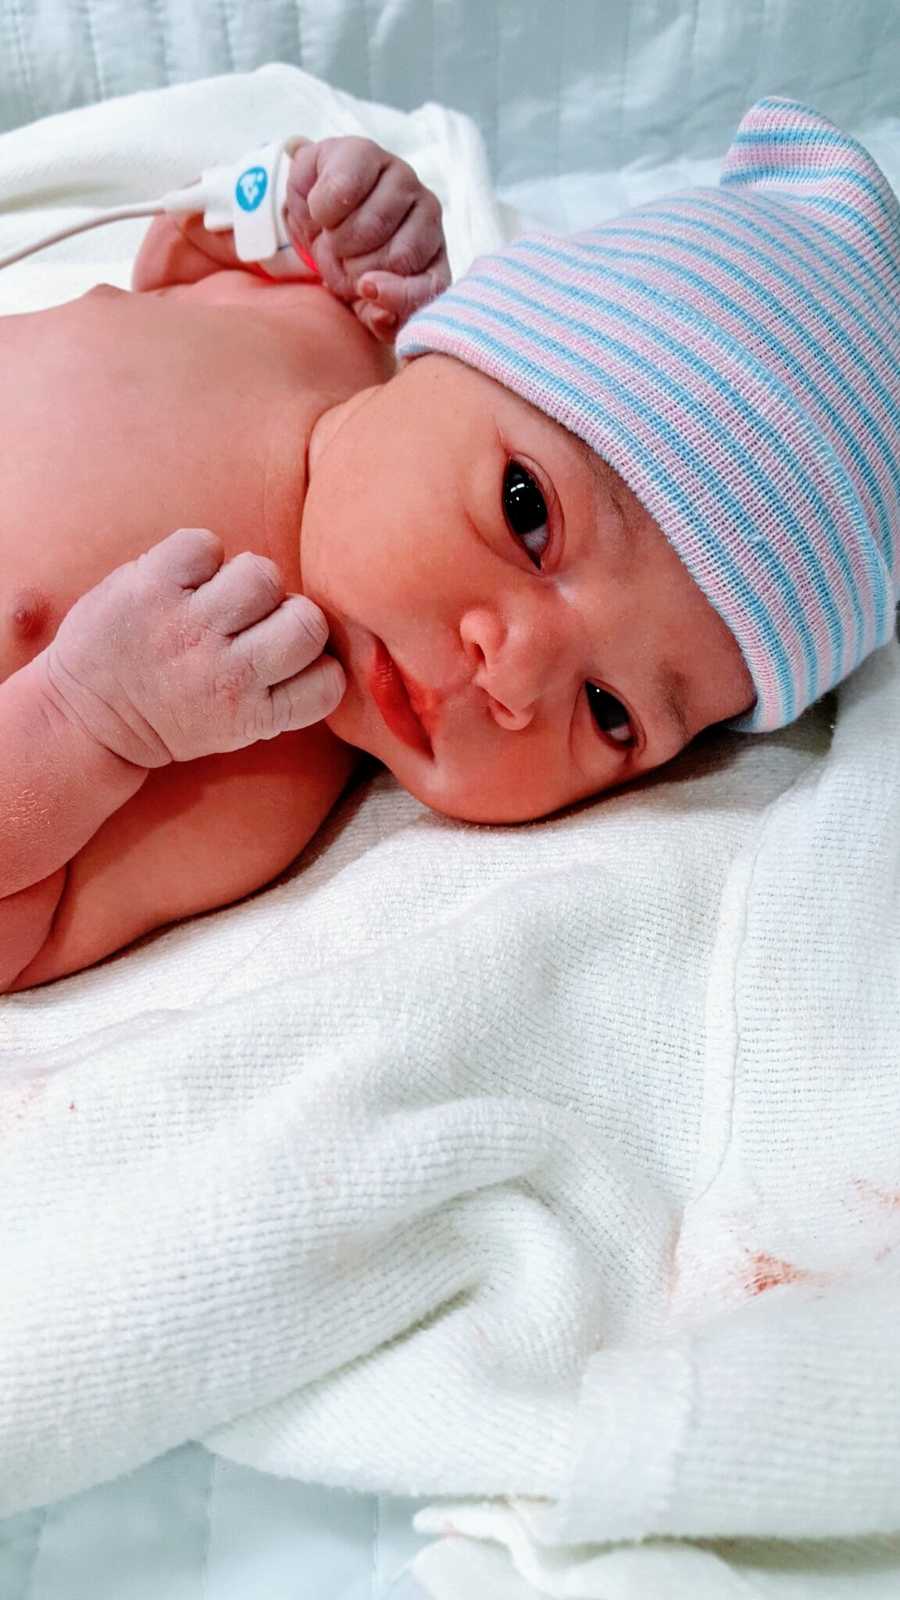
(373, 759)
(467, 802)
(342, 729)
(457, 795)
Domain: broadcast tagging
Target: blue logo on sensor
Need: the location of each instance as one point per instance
(251, 187)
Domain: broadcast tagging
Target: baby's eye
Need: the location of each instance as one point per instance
(610, 716)
(525, 511)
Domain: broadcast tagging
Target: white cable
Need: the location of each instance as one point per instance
(150, 208)
(245, 197)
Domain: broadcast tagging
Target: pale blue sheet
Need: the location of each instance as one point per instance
(191, 1526)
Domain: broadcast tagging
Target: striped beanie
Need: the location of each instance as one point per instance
(734, 354)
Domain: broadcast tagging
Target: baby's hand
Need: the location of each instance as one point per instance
(176, 655)
(372, 228)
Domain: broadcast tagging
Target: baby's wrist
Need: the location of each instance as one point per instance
(89, 732)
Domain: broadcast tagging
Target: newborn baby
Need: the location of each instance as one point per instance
(623, 487)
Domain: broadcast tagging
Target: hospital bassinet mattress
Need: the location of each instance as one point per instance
(192, 1526)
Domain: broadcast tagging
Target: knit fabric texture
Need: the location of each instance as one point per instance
(733, 353)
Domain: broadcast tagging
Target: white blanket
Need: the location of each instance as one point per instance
(557, 1162)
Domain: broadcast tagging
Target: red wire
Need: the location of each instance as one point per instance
(305, 257)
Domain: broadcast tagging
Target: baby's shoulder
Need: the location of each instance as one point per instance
(312, 319)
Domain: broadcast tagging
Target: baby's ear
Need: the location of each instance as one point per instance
(789, 150)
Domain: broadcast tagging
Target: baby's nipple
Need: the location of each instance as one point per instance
(29, 614)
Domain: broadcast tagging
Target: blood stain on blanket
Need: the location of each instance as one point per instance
(768, 1272)
(20, 1099)
(887, 1199)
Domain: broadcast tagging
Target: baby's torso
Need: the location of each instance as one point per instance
(125, 416)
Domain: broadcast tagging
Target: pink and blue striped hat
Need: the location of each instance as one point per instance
(733, 353)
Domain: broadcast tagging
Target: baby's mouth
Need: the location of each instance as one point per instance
(397, 699)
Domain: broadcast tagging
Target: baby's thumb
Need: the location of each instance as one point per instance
(398, 295)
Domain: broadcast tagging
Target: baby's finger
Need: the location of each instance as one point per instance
(383, 325)
(378, 217)
(309, 696)
(412, 248)
(189, 556)
(331, 268)
(347, 171)
(282, 643)
(403, 296)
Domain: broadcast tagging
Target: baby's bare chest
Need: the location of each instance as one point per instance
(119, 424)
(124, 417)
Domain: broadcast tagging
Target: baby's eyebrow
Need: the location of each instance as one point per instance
(674, 690)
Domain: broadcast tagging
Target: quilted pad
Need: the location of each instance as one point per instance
(191, 1526)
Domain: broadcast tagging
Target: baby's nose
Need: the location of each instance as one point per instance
(508, 666)
(510, 717)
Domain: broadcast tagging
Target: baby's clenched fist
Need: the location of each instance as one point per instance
(178, 655)
(372, 228)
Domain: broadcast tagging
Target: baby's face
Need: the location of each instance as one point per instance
(552, 642)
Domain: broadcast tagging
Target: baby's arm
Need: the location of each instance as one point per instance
(180, 250)
(58, 784)
(371, 229)
(171, 657)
